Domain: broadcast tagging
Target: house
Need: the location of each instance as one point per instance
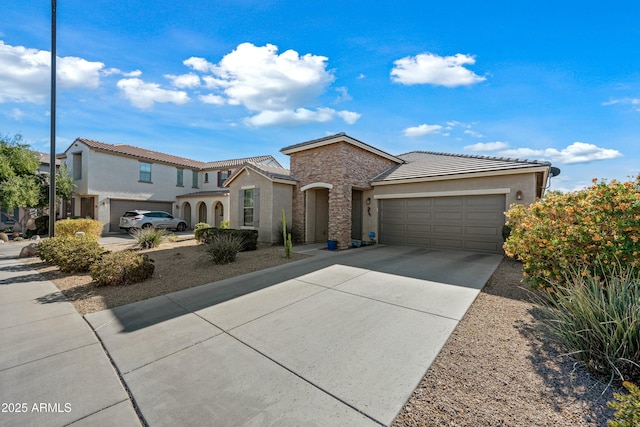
(343, 189)
(111, 179)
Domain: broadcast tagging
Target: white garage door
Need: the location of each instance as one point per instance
(119, 207)
(471, 223)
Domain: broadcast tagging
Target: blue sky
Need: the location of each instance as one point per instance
(213, 80)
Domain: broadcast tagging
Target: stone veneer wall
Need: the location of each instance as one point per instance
(346, 167)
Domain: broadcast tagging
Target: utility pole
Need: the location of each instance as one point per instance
(52, 153)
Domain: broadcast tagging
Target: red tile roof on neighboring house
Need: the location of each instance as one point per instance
(428, 164)
(271, 172)
(156, 156)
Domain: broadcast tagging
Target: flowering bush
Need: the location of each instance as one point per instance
(590, 228)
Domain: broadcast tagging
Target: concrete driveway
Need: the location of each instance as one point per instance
(337, 339)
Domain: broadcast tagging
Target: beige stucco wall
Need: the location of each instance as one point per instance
(273, 198)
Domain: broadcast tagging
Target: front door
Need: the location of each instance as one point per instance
(356, 215)
(87, 208)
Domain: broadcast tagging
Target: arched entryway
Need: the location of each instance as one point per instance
(218, 214)
(186, 213)
(317, 213)
(202, 212)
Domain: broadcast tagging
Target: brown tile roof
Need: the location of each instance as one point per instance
(206, 193)
(156, 156)
(271, 172)
(427, 164)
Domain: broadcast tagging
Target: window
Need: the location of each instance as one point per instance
(206, 177)
(77, 166)
(248, 208)
(180, 178)
(194, 179)
(222, 177)
(145, 172)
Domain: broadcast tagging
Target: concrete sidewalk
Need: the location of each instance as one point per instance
(53, 369)
(336, 339)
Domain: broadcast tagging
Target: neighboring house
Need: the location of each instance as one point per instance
(114, 178)
(10, 218)
(343, 189)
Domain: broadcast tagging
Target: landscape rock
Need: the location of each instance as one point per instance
(35, 238)
(29, 251)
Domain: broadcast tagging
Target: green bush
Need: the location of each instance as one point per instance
(122, 268)
(148, 238)
(70, 253)
(223, 248)
(197, 230)
(69, 227)
(249, 238)
(591, 228)
(224, 224)
(4, 237)
(627, 407)
(596, 320)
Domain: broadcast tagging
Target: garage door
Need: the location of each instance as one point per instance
(119, 207)
(462, 222)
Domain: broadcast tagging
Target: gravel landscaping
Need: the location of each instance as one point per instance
(497, 369)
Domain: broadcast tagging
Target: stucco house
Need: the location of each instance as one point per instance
(114, 178)
(339, 188)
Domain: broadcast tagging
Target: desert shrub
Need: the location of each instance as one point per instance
(224, 224)
(70, 253)
(4, 237)
(223, 248)
(147, 238)
(69, 227)
(249, 238)
(627, 407)
(597, 320)
(592, 228)
(122, 268)
(197, 230)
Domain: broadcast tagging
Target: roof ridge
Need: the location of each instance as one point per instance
(478, 156)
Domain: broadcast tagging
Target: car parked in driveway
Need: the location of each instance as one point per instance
(138, 219)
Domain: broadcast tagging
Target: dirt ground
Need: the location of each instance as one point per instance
(497, 369)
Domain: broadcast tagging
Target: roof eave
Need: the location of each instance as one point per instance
(336, 139)
(516, 171)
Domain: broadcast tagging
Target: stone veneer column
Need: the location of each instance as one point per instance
(298, 212)
(340, 214)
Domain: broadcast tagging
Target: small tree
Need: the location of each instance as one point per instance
(21, 185)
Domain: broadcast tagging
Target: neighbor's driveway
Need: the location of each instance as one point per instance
(338, 339)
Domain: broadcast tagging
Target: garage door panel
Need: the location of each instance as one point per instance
(460, 222)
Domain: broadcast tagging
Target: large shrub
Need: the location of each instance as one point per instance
(223, 248)
(69, 227)
(594, 227)
(148, 238)
(122, 268)
(627, 407)
(249, 238)
(70, 253)
(598, 320)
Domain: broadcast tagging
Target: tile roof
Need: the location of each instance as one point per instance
(427, 164)
(205, 193)
(271, 172)
(156, 156)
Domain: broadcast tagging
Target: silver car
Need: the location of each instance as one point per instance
(137, 219)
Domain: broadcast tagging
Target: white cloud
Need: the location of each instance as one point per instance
(300, 116)
(578, 152)
(473, 134)
(182, 81)
(144, 95)
(487, 146)
(344, 94)
(427, 68)
(212, 99)
(26, 73)
(634, 102)
(16, 114)
(422, 130)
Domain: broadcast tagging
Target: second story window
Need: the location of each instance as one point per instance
(145, 172)
(77, 166)
(180, 178)
(222, 177)
(194, 179)
(206, 177)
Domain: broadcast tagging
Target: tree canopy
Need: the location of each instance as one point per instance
(21, 184)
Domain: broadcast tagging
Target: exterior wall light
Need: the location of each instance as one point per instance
(519, 195)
